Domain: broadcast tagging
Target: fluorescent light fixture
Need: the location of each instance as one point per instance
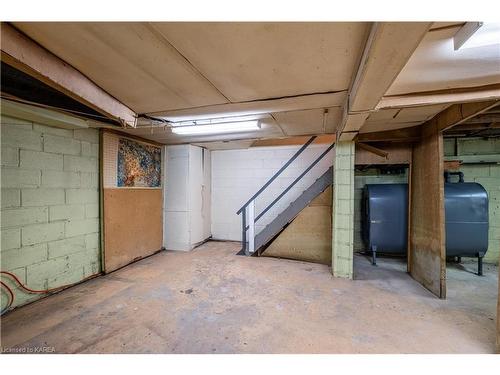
(477, 34)
(201, 127)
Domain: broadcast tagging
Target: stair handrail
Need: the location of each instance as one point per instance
(316, 161)
(251, 202)
(275, 176)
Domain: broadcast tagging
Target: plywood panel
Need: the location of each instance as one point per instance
(498, 318)
(309, 236)
(118, 56)
(256, 60)
(427, 231)
(133, 225)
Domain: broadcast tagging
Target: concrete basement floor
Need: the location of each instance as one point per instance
(212, 301)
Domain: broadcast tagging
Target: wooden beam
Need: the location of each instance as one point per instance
(411, 134)
(24, 54)
(397, 153)
(485, 118)
(42, 115)
(373, 150)
(459, 113)
(387, 50)
(472, 94)
(292, 141)
(255, 107)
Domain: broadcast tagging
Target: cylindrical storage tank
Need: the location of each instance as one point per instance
(385, 217)
(466, 213)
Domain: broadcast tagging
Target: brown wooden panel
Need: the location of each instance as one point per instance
(427, 231)
(498, 318)
(309, 235)
(133, 225)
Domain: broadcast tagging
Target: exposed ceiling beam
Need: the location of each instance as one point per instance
(373, 150)
(485, 118)
(472, 94)
(42, 115)
(291, 141)
(399, 135)
(459, 113)
(255, 107)
(388, 48)
(24, 54)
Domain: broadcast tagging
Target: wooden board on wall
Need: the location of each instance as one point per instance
(309, 235)
(498, 318)
(133, 225)
(427, 231)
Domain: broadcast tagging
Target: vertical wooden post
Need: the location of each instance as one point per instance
(427, 252)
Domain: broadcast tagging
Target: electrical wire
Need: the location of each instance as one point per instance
(11, 298)
(29, 290)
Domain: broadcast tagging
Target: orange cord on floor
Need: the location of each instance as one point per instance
(29, 290)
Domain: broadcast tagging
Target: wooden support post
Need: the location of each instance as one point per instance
(427, 250)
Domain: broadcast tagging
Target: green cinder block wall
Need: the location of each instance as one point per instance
(50, 206)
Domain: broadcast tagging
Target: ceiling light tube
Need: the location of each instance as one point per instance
(215, 128)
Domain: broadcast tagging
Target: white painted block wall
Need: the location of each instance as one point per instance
(186, 197)
(238, 174)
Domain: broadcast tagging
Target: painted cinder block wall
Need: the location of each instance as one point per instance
(50, 205)
(487, 175)
(238, 174)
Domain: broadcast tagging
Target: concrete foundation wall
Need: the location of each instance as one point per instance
(50, 205)
(238, 174)
(487, 175)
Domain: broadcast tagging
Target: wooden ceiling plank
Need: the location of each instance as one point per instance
(24, 54)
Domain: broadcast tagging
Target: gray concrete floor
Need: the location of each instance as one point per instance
(212, 301)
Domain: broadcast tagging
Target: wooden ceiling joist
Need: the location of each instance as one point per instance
(399, 135)
(24, 54)
(472, 94)
(459, 113)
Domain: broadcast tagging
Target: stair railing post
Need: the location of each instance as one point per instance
(244, 246)
(251, 227)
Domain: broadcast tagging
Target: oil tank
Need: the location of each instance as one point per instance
(385, 212)
(466, 218)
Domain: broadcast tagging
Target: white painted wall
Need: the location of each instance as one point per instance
(238, 174)
(186, 204)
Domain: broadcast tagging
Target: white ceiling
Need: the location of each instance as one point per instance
(286, 73)
(435, 65)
